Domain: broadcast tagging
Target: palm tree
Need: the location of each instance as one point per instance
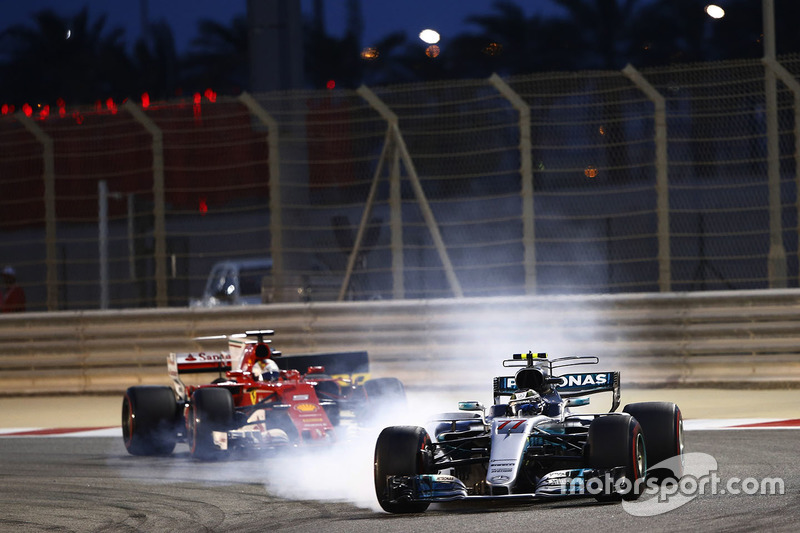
(220, 56)
(675, 31)
(64, 57)
(331, 58)
(157, 63)
(601, 31)
(511, 43)
(386, 65)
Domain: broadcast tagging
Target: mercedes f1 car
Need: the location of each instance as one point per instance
(530, 444)
(258, 400)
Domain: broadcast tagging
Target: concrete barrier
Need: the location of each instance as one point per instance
(723, 338)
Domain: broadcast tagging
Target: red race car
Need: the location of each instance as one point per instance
(253, 403)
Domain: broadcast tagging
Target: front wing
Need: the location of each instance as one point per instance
(446, 488)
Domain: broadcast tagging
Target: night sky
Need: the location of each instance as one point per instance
(381, 17)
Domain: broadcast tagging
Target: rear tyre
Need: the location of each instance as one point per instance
(617, 440)
(662, 425)
(149, 420)
(401, 451)
(211, 410)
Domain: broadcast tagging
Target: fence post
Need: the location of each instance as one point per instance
(526, 178)
(102, 230)
(362, 225)
(789, 80)
(275, 202)
(662, 175)
(389, 150)
(394, 131)
(776, 262)
(159, 208)
(396, 225)
(49, 178)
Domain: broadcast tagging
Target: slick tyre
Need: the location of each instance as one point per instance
(401, 451)
(211, 410)
(617, 441)
(662, 425)
(149, 420)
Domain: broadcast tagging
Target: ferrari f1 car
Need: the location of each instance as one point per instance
(258, 401)
(530, 444)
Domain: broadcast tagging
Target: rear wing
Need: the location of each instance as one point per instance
(219, 361)
(194, 362)
(571, 385)
(351, 365)
(590, 383)
(339, 363)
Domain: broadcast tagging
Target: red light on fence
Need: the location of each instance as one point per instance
(145, 100)
(111, 106)
(210, 95)
(27, 109)
(202, 207)
(78, 117)
(331, 85)
(4, 109)
(44, 112)
(62, 112)
(196, 108)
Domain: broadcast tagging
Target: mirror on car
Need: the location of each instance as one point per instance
(470, 406)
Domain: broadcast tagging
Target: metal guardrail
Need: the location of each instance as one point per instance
(723, 338)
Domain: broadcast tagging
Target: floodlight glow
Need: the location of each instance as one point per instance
(429, 36)
(714, 11)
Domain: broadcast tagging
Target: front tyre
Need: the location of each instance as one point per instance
(149, 420)
(617, 441)
(211, 410)
(662, 425)
(401, 451)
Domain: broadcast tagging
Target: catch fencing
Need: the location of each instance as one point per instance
(719, 338)
(679, 178)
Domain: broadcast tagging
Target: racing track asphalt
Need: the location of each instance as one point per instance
(92, 484)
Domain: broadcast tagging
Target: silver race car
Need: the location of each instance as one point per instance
(531, 443)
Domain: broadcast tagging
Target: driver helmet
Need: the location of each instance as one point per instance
(264, 368)
(527, 403)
